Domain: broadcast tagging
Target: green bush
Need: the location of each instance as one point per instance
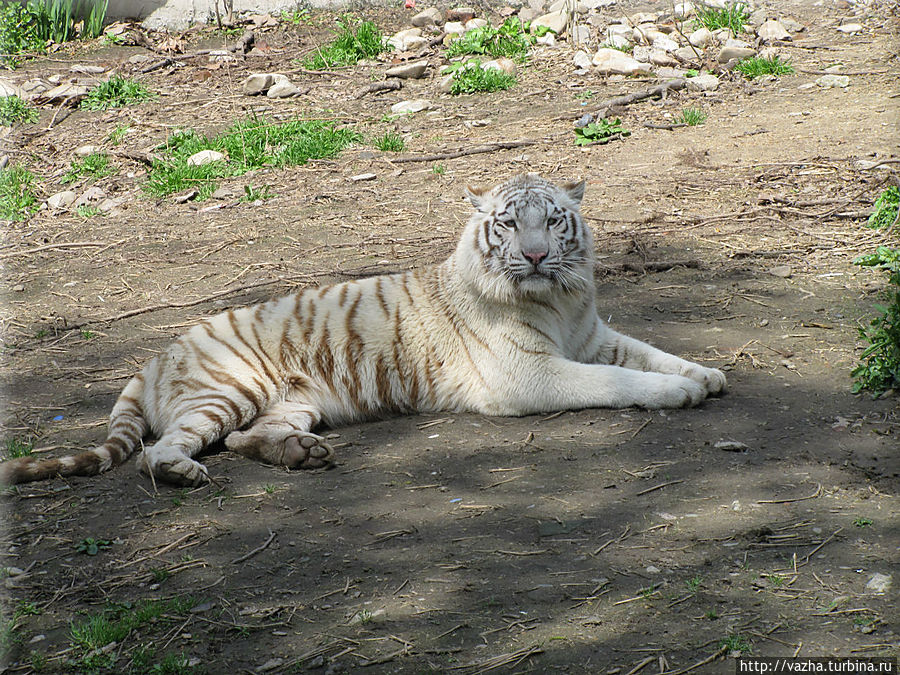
(510, 39)
(352, 44)
(879, 364)
(31, 26)
(471, 78)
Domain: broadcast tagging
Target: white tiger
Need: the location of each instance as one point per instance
(507, 325)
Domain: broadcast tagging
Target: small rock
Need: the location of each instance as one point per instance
(445, 84)
(584, 120)
(86, 69)
(406, 39)
(546, 40)
(879, 583)
(18, 288)
(727, 53)
(612, 61)
(772, 31)
(15, 571)
(503, 64)
(664, 73)
(454, 28)
(271, 664)
(411, 106)
(555, 21)
(363, 176)
(110, 204)
(641, 53)
(461, 14)
(684, 10)
(701, 37)
(185, 197)
(618, 41)
(527, 14)
(617, 29)
(257, 83)
(475, 24)
(85, 150)
(850, 28)
(223, 193)
(90, 196)
(731, 446)
(61, 200)
(831, 81)
(659, 58)
(665, 43)
(651, 569)
(205, 157)
(703, 82)
(40, 637)
(783, 271)
(581, 34)
(792, 25)
(758, 17)
(71, 93)
(137, 59)
(428, 17)
(688, 54)
(581, 60)
(412, 70)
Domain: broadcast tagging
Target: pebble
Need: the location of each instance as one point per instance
(61, 92)
(850, 28)
(703, 82)
(461, 14)
(363, 176)
(792, 25)
(614, 62)
(581, 34)
(618, 41)
(619, 30)
(701, 37)
(61, 200)
(90, 196)
(412, 106)
(454, 28)
(413, 70)
(684, 10)
(137, 59)
(428, 17)
(205, 157)
(833, 81)
(555, 21)
(86, 69)
(728, 53)
(407, 39)
(474, 24)
(772, 31)
(879, 583)
(665, 43)
(284, 89)
(257, 83)
(783, 271)
(18, 288)
(546, 40)
(503, 64)
(686, 53)
(85, 150)
(731, 446)
(582, 60)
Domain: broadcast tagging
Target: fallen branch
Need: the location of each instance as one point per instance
(669, 127)
(649, 266)
(817, 493)
(47, 247)
(660, 90)
(492, 147)
(375, 87)
(252, 553)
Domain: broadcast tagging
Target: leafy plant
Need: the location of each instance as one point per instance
(95, 165)
(298, 17)
(757, 66)
(87, 211)
(17, 197)
(439, 169)
(29, 27)
(692, 117)
(600, 132)
(886, 210)
(863, 522)
(352, 44)
(510, 39)
(15, 447)
(116, 92)
(879, 364)
(249, 144)
(471, 78)
(733, 17)
(390, 142)
(736, 643)
(252, 194)
(693, 584)
(14, 110)
(91, 546)
(116, 135)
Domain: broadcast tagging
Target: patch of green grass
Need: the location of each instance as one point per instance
(887, 209)
(29, 27)
(88, 211)
(757, 66)
(471, 78)
(734, 17)
(692, 117)
(585, 95)
(297, 17)
(693, 584)
(96, 165)
(390, 142)
(14, 110)
(15, 447)
(736, 643)
(91, 546)
(116, 135)
(600, 132)
(863, 522)
(439, 169)
(879, 363)
(510, 39)
(116, 92)
(356, 40)
(17, 198)
(250, 144)
(626, 49)
(252, 194)
(712, 615)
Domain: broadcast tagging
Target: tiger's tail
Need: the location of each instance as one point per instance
(127, 427)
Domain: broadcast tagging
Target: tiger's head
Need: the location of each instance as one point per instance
(527, 238)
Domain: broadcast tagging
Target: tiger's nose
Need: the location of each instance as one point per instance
(535, 256)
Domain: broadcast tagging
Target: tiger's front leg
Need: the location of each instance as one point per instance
(281, 436)
(620, 350)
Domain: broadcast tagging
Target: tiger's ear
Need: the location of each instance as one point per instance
(476, 195)
(575, 191)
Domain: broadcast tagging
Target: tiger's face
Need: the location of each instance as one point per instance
(530, 238)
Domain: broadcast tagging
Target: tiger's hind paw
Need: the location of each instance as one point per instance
(307, 451)
(175, 470)
(292, 448)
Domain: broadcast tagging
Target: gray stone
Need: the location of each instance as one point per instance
(686, 54)
(726, 54)
(136, 59)
(258, 83)
(581, 60)
(833, 81)
(772, 31)
(581, 34)
(792, 25)
(664, 73)
(284, 89)
(85, 150)
(428, 17)
(454, 28)
(851, 28)
(61, 200)
(546, 40)
(783, 271)
(111, 204)
(701, 37)
(66, 91)
(411, 106)
(413, 70)
(704, 82)
(684, 10)
(84, 69)
(658, 57)
(879, 583)
(363, 177)
(474, 24)
(528, 14)
(555, 21)
(406, 39)
(90, 196)
(641, 53)
(665, 43)
(758, 17)
(205, 157)
(445, 84)
(612, 62)
(503, 64)
(461, 14)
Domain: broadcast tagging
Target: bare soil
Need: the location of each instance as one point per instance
(596, 541)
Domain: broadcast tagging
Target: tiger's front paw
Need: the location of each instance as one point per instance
(712, 379)
(173, 467)
(670, 391)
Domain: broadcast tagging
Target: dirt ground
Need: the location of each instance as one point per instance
(596, 541)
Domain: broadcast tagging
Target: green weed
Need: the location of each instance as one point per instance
(390, 142)
(14, 110)
(471, 78)
(879, 364)
(887, 209)
(733, 17)
(757, 66)
(863, 522)
(736, 643)
(87, 211)
(600, 132)
(692, 117)
(15, 447)
(29, 27)
(95, 165)
(626, 49)
(252, 194)
(694, 584)
(116, 135)
(352, 44)
(298, 17)
(17, 198)
(249, 144)
(439, 169)
(91, 546)
(116, 92)
(510, 39)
